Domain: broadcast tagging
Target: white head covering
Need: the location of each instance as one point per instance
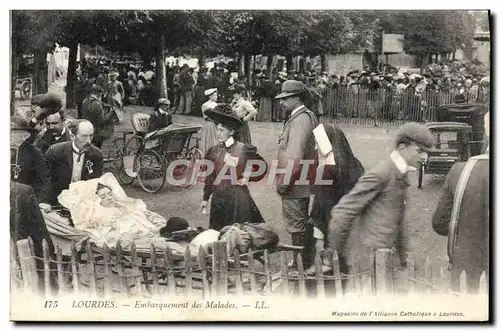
(210, 91)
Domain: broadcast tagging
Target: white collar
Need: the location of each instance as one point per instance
(229, 142)
(161, 111)
(400, 163)
(76, 148)
(296, 109)
(62, 133)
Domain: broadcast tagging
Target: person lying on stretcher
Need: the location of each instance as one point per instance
(101, 207)
(113, 219)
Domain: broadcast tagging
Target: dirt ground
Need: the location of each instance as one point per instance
(369, 144)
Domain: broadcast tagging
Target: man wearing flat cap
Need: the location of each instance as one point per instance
(295, 146)
(371, 215)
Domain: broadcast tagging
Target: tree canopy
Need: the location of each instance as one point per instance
(235, 32)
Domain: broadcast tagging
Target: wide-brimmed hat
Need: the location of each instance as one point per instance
(291, 87)
(163, 101)
(485, 81)
(238, 88)
(52, 102)
(176, 224)
(222, 113)
(113, 72)
(209, 92)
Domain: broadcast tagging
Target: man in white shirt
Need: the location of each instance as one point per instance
(72, 161)
(55, 131)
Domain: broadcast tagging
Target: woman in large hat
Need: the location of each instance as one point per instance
(226, 184)
(245, 112)
(208, 133)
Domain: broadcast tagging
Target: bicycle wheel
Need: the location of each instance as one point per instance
(25, 90)
(152, 171)
(132, 148)
(193, 155)
(116, 153)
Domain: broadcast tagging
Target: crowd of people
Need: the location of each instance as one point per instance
(388, 93)
(356, 212)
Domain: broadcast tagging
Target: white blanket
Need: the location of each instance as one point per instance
(129, 221)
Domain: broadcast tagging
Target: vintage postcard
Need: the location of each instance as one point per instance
(250, 165)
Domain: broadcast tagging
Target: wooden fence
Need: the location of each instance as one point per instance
(388, 108)
(146, 274)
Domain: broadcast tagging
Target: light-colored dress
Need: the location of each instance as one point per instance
(208, 132)
(129, 220)
(243, 108)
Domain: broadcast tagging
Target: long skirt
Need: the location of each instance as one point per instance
(198, 99)
(265, 109)
(243, 134)
(278, 113)
(233, 204)
(208, 136)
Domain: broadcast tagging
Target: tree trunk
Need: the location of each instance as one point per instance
(323, 62)
(248, 63)
(201, 59)
(241, 64)
(253, 62)
(421, 61)
(269, 64)
(71, 77)
(289, 62)
(161, 75)
(40, 84)
(36, 73)
(13, 75)
(454, 54)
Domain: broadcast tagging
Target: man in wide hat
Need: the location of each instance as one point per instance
(27, 162)
(295, 145)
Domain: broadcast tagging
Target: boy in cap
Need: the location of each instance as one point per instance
(371, 215)
(161, 117)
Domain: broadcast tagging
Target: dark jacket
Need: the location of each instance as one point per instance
(60, 162)
(33, 169)
(471, 251)
(371, 215)
(48, 140)
(295, 145)
(159, 121)
(26, 220)
(103, 122)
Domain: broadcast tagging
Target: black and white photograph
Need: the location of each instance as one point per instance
(250, 165)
